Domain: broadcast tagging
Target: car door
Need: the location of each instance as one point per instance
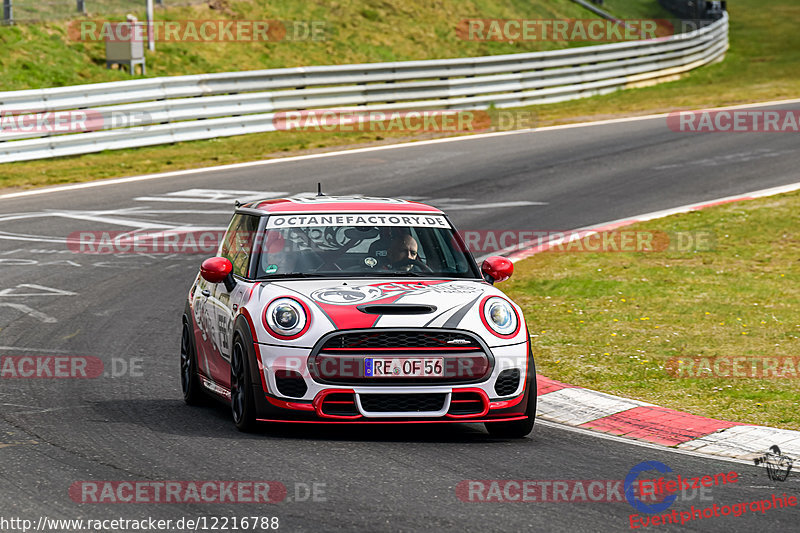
(237, 247)
(203, 320)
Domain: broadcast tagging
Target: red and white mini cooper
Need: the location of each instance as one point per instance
(356, 310)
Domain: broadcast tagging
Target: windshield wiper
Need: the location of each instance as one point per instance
(378, 274)
(292, 275)
(402, 274)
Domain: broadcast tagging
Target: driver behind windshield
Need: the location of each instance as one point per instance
(403, 253)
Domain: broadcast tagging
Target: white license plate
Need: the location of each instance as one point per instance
(403, 367)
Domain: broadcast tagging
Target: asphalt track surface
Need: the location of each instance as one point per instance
(126, 310)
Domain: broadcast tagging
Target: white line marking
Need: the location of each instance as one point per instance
(31, 238)
(29, 311)
(39, 410)
(225, 201)
(118, 217)
(490, 206)
(20, 443)
(214, 196)
(131, 179)
(21, 349)
(41, 291)
(226, 212)
(525, 250)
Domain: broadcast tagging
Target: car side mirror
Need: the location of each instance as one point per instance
(218, 270)
(496, 269)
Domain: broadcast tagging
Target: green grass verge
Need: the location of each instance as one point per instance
(761, 65)
(355, 31)
(612, 321)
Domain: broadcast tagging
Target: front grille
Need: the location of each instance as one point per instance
(466, 403)
(403, 403)
(290, 383)
(340, 404)
(407, 340)
(339, 358)
(507, 382)
(350, 369)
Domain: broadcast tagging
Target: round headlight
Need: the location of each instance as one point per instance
(286, 317)
(500, 316)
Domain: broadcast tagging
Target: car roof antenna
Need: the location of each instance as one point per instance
(319, 189)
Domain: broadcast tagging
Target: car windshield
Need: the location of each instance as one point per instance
(386, 245)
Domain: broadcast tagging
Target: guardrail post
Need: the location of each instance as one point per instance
(8, 12)
(151, 44)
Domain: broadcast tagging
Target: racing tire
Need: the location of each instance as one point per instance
(190, 384)
(517, 429)
(243, 407)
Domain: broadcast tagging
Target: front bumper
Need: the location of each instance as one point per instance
(388, 403)
(348, 406)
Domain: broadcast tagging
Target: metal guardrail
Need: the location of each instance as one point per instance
(183, 108)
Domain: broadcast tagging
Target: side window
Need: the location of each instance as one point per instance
(228, 241)
(238, 243)
(447, 260)
(422, 244)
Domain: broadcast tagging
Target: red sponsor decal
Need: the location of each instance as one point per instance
(339, 303)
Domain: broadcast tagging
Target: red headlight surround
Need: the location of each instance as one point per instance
(278, 335)
(489, 327)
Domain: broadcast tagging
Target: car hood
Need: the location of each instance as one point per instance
(371, 303)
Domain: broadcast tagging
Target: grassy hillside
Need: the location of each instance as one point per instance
(356, 31)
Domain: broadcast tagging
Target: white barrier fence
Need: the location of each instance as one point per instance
(184, 108)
